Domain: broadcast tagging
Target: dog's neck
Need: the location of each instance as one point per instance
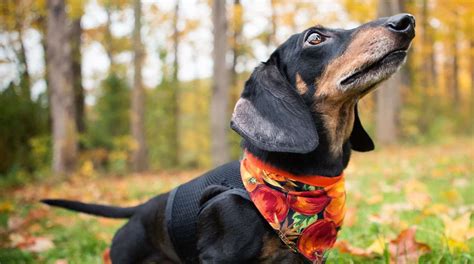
(317, 162)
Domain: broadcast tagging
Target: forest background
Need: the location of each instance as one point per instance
(95, 91)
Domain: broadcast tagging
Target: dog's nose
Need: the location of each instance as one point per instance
(402, 23)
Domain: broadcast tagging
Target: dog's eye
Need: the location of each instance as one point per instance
(315, 38)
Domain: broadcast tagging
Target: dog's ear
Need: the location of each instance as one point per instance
(272, 116)
(360, 140)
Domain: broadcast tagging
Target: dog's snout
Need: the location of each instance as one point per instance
(402, 23)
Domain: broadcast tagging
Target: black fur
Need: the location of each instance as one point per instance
(272, 116)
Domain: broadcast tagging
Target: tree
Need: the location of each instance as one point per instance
(75, 37)
(62, 104)
(174, 151)
(220, 86)
(388, 95)
(139, 152)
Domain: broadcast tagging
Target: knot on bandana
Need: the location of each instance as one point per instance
(305, 211)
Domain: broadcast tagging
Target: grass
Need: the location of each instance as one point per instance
(389, 190)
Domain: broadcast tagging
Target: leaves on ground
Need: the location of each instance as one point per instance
(404, 204)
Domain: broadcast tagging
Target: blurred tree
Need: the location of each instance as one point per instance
(21, 121)
(76, 37)
(62, 103)
(112, 112)
(174, 142)
(220, 87)
(139, 152)
(388, 95)
(236, 42)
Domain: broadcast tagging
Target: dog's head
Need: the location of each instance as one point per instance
(312, 84)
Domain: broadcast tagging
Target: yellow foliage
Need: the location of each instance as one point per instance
(75, 8)
(416, 194)
(6, 207)
(87, 170)
(458, 231)
(361, 10)
(378, 246)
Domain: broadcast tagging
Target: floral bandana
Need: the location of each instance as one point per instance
(305, 211)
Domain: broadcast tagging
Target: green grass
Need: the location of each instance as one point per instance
(388, 191)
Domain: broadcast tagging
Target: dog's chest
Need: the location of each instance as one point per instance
(305, 215)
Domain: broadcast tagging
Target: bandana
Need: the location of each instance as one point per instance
(305, 211)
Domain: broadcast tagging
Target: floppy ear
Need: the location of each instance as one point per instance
(272, 116)
(360, 140)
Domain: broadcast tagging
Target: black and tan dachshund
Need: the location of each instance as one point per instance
(297, 113)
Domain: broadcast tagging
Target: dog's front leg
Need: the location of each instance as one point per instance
(230, 231)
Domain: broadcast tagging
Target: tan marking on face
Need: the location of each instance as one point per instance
(360, 52)
(301, 86)
(335, 105)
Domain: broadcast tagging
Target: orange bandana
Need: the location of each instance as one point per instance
(306, 211)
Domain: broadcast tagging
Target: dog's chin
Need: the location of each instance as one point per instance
(368, 77)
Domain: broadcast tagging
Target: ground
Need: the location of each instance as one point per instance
(405, 203)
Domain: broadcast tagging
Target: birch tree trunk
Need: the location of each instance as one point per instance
(388, 95)
(139, 152)
(59, 68)
(220, 87)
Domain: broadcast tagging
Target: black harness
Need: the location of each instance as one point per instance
(182, 208)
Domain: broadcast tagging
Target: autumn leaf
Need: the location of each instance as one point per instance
(345, 247)
(405, 249)
(416, 194)
(31, 244)
(458, 231)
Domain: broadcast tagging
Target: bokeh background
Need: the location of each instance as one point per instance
(116, 101)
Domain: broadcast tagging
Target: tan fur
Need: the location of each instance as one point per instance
(360, 52)
(338, 118)
(301, 86)
(274, 251)
(335, 105)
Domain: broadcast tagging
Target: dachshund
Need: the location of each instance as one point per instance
(297, 117)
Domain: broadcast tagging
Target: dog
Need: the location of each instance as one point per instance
(284, 201)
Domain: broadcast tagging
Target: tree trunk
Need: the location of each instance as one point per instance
(454, 80)
(62, 106)
(236, 49)
(388, 95)
(139, 152)
(25, 80)
(471, 62)
(174, 139)
(75, 35)
(271, 39)
(429, 67)
(220, 87)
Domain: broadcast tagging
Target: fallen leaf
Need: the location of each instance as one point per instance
(436, 209)
(344, 247)
(15, 222)
(458, 231)
(6, 207)
(452, 196)
(30, 243)
(416, 194)
(351, 217)
(405, 249)
(378, 246)
(374, 199)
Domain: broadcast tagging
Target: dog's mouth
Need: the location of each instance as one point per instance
(370, 74)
